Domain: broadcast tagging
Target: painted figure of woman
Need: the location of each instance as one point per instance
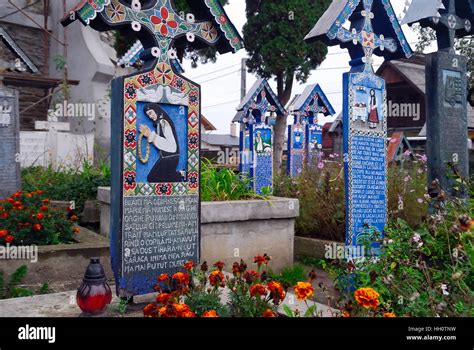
(165, 139)
(373, 111)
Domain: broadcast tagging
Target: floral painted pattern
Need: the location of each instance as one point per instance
(209, 32)
(164, 189)
(116, 11)
(164, 74)
(130, 91)
(129, 179)
(164, 22)
(130, 138)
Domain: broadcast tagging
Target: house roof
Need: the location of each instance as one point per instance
(207, 124)
(221, 140)
(413, 72)
(17, 51)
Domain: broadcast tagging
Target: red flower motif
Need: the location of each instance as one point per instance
(130, 180)
(223, 19)
(164, 21)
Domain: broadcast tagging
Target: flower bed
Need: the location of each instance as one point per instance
(26, 218)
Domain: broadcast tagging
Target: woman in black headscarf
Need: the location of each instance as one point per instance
(166, 141)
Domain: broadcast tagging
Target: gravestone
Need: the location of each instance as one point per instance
(257, 112)
(155, 195)
(305, 135)
(374, 29)
(10, 181)
(446, 92)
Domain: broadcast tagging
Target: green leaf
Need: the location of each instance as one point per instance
(288, 311)
(393, 265)
(310, 312)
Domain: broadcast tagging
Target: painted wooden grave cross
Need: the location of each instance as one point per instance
(446, 92)
(374, 29)
(257, 112)
(155, 195)
(305, 135)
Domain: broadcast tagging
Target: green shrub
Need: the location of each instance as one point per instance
(78, 185)
(224, 184)
(12, 289)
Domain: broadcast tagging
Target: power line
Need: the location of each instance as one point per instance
(216, 71)
(220, 76)
(222, 103)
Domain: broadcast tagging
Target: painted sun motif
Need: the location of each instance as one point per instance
(209, 32)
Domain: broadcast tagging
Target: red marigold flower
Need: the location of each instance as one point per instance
(182, 278)
(40, 192)
(164, 277)
(204, 266)
(189, 265)
(76, 230)
(163, 298)
(236, 268)
(251, 276)
(40, 216)
(367, 298)
(37, 227)
(74, 218)
(46, 201)
(312, 275)
(9, 238)
(276, 291)
(258, 289)
(216, 278)
(260, 260)
(149, 310)
(188, 314)
(268, 313)
(210, 314)
(4, 215)
(303, 290)
(180, 309)
(17, 204)
(219, 265)
(3, 233)
(163, 311)
(242, 266)
(44, 208)
(345, 314)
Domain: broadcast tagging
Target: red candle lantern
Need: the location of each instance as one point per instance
(94, 294)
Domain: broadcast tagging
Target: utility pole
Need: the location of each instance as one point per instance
(243, 84)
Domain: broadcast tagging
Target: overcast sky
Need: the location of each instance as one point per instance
(220, 82)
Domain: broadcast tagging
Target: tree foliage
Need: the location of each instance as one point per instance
(274, 38)
(464, 46)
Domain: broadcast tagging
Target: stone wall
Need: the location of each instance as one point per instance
(236, 230)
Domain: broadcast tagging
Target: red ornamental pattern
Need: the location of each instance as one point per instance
(164, 22)
(129, 180)
(164, 74)
(130, 138)
(165, 189)
(193, 179)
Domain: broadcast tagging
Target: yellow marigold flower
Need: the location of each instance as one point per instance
(367, 298)
(303, 290)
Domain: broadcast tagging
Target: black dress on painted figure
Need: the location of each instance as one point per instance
(165, 139)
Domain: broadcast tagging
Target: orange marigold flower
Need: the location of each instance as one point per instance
(389, 314)
(76, 230)
(210, 314)
(258, 289)
(74, 218)
(182, 278)
(304, 290)
(163, 311)
(189, 265)
(259, 260)
(163, 298)
(276, 291)
(40, 192)
(268, 313)
(188, 314)
(219, 265)
(163, 278)
(3, 233)
(9, 238)
(216, 278)
(181, 309)
(37, 227)
(367, 298)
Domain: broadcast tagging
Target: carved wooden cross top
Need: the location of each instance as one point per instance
(158, 25)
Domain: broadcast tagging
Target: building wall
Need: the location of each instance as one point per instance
(32, 42)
